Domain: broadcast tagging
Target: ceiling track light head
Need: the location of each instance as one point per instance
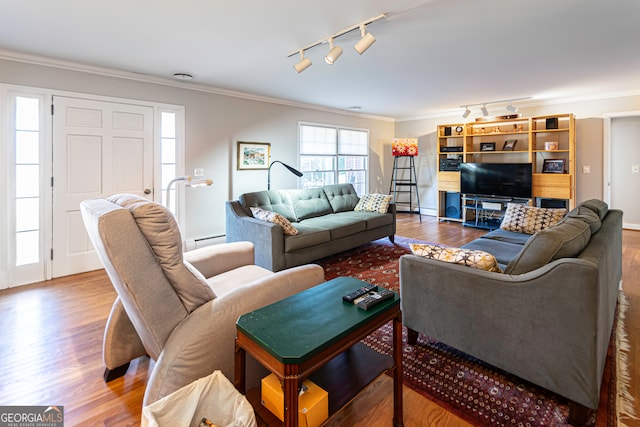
(466, 113)
(365, 41)
(512, 108)
(303, 64)
(334, 53)
(485, 111)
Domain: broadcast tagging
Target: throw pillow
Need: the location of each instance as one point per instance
(529, 219)
(374, 203)
(471, 258)
(276, 218)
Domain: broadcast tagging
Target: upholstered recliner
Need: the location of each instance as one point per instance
(180, 309)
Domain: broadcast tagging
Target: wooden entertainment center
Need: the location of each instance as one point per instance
(547, 142)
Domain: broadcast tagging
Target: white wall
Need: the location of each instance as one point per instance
(213, 125)
(589, 142)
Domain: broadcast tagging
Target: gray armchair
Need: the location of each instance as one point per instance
(180, 309)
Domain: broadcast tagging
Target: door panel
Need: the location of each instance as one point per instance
(99, 148)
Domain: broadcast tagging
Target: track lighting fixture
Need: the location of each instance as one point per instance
(303, 64)
(366, 40)
(334, 53)
(485, 111)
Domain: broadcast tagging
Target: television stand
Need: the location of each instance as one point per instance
(486, 212)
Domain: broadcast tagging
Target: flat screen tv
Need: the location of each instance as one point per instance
(496, 179)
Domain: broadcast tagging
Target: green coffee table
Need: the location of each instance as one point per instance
(298, 335)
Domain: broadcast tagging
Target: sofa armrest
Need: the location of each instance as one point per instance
(267, 237)
(216, 259)
(541, 326)
(205, 340)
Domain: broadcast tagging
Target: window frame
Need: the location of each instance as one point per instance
(337, 154)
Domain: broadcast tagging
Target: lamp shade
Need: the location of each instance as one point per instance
(404, 147)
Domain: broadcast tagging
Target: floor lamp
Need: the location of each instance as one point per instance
(291, 169)
(189, 183)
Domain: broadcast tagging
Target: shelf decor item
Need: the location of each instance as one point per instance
(253, 155)
(553, 166)
(487, 146)
(509, 145)
(551, 123)
(404, 147)
(550, 146)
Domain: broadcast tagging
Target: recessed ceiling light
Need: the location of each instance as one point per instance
(183, 76)
(355, 107)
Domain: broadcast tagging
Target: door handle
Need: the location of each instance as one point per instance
(147, 191)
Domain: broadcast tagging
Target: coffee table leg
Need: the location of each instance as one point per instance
(291, 383)
(397, 372)
(240, 369)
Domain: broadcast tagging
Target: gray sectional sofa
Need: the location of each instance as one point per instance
(324, 217)
(546, 318)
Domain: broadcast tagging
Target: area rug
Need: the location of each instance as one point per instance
(473, 390)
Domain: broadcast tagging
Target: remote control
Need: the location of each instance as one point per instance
(374, 298)
(350, 298)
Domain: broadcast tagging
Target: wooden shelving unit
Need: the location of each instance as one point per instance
(516, 140)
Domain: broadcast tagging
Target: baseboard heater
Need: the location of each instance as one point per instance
(201, 242)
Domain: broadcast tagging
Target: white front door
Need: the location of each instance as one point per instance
(99, 148)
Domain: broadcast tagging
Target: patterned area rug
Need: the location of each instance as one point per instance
(473, 390)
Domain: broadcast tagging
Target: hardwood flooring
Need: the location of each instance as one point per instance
(51, 347)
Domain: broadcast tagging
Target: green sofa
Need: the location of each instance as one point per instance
(324, 217)
(547, 318)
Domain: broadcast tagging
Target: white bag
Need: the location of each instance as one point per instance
(213, 397)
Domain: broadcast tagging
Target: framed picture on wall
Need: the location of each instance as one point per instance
(553, 166)
(253, 155)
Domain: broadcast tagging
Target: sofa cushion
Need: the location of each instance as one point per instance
(598, 206)
(529, 219)
(475, 259)
(504, 252)
(566, 239)
(307, 236)
(276, 218)
(159, 227)
(309, 203)
(372, 219)
(587, 215)
(342, 197)
(374, 203)
(275, 201)
(507, 236)
(338, 225)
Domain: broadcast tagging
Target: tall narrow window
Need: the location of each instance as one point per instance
(330, 155)
(168, 156)
(27, 181)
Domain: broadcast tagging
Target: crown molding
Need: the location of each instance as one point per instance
(145, 78)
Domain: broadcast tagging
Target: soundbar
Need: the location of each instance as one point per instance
(451, 149)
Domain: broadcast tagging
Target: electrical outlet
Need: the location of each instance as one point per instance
(586, 169)
(198, 172)
(635, 169)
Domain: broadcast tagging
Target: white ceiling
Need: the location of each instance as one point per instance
(430, 57)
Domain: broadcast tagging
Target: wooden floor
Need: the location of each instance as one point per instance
(51, 340)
